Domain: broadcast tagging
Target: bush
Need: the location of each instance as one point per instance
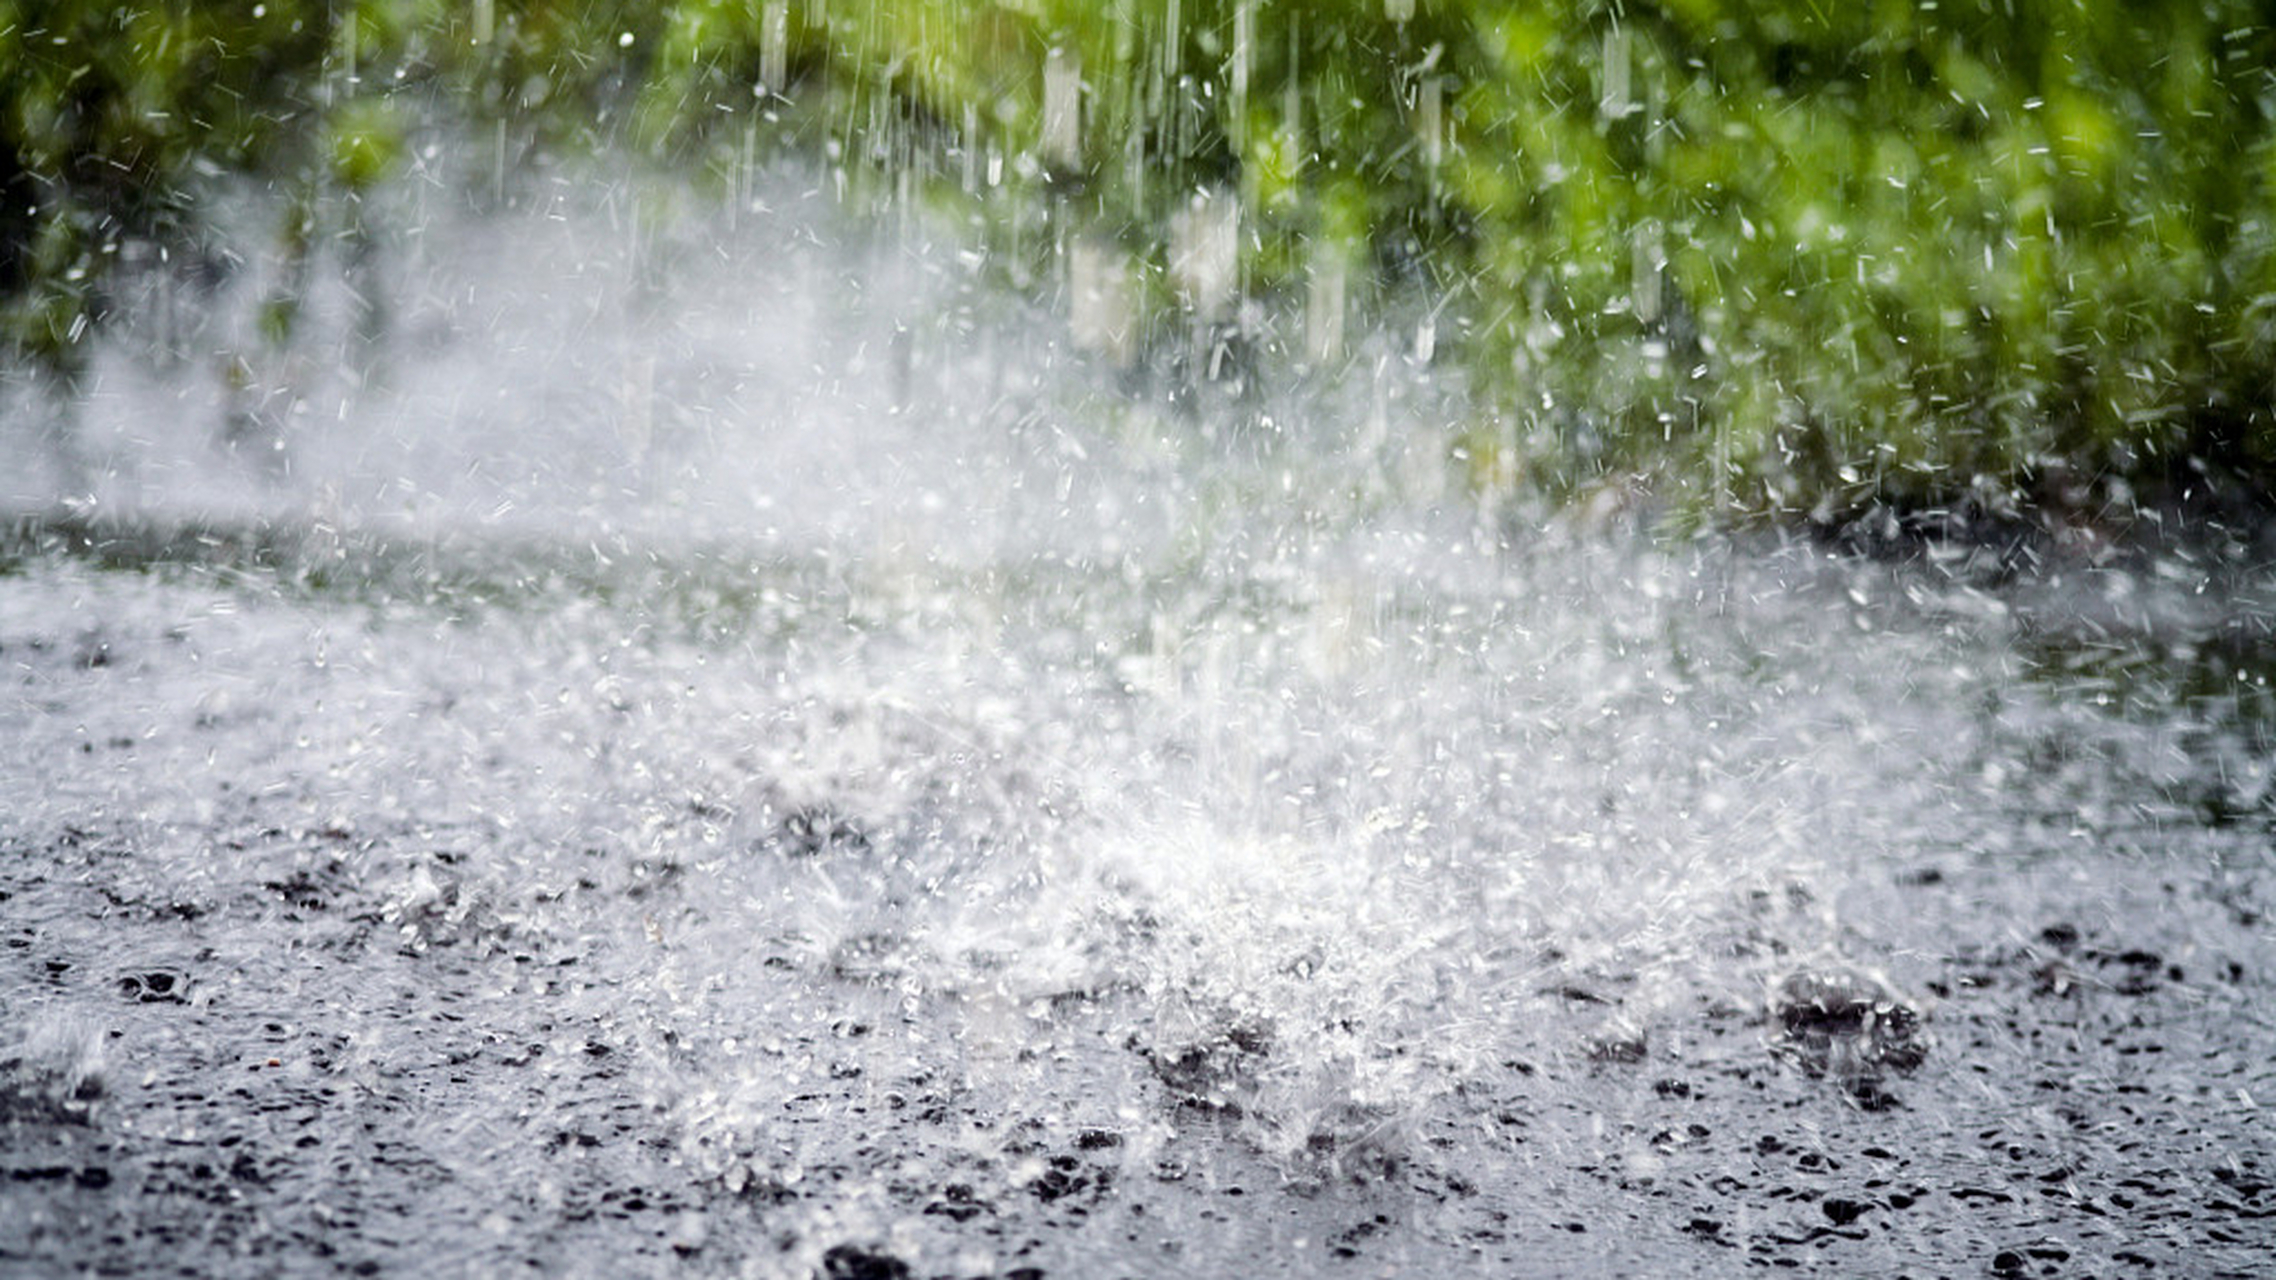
(1793, 258)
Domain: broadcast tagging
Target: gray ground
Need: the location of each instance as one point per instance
(401, 908)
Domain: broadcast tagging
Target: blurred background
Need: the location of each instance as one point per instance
(1915, 265)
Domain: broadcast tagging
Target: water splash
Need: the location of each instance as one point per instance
(779, 740)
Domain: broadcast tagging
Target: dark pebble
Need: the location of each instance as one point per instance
(849, 1262)
(1843, 1212)
(1847, 1026)
(155, 987)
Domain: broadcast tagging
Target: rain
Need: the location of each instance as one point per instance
(1136, 637)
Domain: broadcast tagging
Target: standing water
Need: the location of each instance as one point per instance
(760, 764)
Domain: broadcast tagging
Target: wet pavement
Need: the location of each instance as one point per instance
(1524, 908)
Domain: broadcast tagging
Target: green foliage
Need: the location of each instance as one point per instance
(1796, 257)
(1903, 248)
(109, 117)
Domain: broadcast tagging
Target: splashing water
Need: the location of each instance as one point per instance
(778, 772)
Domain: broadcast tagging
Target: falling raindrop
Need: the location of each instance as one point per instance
(1204, 637)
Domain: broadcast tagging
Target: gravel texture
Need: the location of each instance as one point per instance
(414, 911)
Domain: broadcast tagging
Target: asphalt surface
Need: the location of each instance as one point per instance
(401, 909)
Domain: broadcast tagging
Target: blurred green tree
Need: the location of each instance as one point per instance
(1795, 259)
